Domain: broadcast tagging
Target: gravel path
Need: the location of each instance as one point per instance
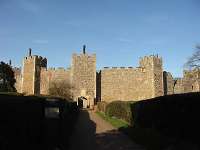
(93, 133)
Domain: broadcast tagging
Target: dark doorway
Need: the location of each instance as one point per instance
(80, 102)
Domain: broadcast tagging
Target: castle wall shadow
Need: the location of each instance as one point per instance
(114, 139)
(86, 137)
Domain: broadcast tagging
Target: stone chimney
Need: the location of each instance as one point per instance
(30, 50)
(84, 47)
(10, 63)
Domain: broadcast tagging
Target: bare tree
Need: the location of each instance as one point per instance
(61, 88)
(194, 61)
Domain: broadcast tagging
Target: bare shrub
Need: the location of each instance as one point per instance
(61, 88)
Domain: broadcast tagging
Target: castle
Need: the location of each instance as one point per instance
(109, 84)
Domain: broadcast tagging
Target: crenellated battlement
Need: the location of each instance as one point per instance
(58, 69)
(32, 57)
(151, 60)
(147, 77)
(37, 60)
(83, 55)
(122, 68)
(109, 83)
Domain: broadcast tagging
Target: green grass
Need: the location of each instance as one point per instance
(118, 123)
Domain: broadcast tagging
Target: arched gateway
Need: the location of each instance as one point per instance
(82, 102)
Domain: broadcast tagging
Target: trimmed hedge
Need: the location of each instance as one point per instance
(172, 115)
(23, 124)
(120, 110)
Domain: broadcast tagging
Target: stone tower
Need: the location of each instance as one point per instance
(32, 65)
(83, 72)
(154, 70)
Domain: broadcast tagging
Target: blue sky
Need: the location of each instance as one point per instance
(118, 31)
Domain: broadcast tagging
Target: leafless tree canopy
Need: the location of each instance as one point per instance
(61, 88)
(194, 61)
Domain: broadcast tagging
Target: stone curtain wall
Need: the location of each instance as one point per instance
(189, 83)
(168, 83)
(39, 64)
(135, 84)
(146, 81)
(18, 78)
(178, 86)
(52, 74)
(196, 86)
(44, 82)
(124, 84)
(84, 76)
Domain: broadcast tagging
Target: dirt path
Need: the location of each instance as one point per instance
(93, 133)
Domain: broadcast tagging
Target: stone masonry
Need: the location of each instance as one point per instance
(32, 65)
(133, 83)
(109, 84)
(83, 70)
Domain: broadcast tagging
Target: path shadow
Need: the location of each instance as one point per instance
(84, 133)
(115, 140)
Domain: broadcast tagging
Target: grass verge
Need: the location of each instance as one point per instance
(118, 123)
